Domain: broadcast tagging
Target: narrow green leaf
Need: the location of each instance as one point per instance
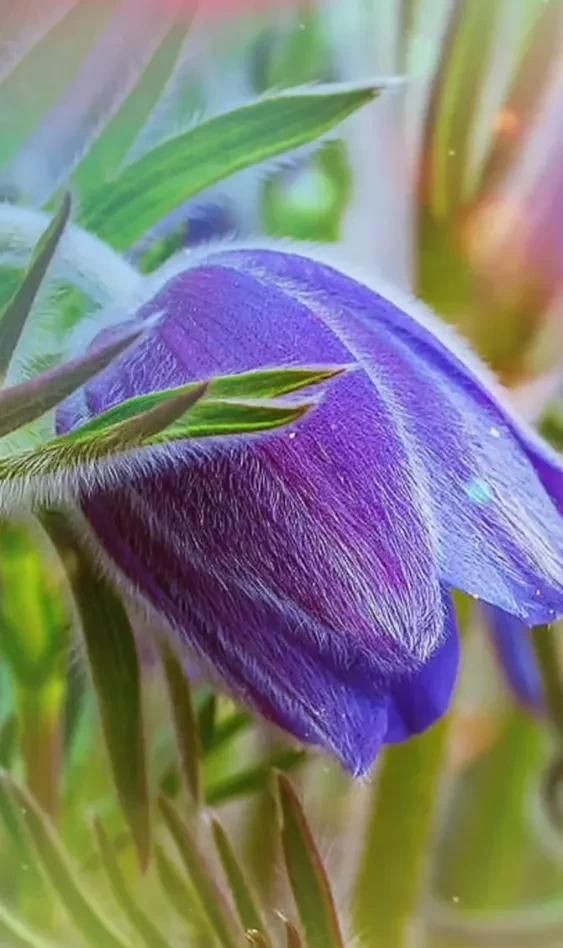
(23, 403)
(114, 664)
(225, 730)
(148, 933)
(8, 741)
(247, 387)
(207, 419)
(167, 176)
(19, 935)
(245, 901)
(306, 873)
(181, 895)
(273, 383)
(62, 874)
(220, 916)
(13, 319)
(252, 779)
(207, 721)
(107, 154)
(185, 724)
(292, 936)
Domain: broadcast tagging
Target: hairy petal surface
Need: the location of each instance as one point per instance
(494, 486)
(301, 566)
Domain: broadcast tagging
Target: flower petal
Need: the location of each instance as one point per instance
(418, 700)
(328, 520)
(501, 535)
(513, 645)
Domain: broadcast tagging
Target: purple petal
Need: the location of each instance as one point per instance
(512, 643)
(419, 699)
(493, 485)
(301, 566)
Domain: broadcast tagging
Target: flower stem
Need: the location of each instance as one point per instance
(41, 737)
(393, 868)
(548, 658)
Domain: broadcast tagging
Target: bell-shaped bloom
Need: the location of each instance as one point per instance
(309, 569)
(512, 643)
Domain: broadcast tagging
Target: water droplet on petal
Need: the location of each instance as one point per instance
(292, 435)
(478, 491)
(494, 432)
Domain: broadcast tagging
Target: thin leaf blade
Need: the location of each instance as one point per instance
(148, 933)
(61, 873)
(114, 666)
(24, 403)
(245, 902)
(16, 311)
(306, 873)
(170, 174)
(185, 723)
(221, 918)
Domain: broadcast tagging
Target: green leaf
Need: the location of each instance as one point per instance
(244, 899)
(220, 916)
(253, 778)
(223, 731)
(167, 176)
(114, 664)
(16, 312)
(181, 895)
(8, 741)
(306, 873)
(148, 933)
(62, 874)
(213, 419)
(106, 156)
(248, 387)
(20, 936)
(397, 844)
(292, 936)
(185, 724)
(24, 403)
(207, 721)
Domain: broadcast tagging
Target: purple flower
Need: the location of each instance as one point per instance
(513, 646)
(310, 569)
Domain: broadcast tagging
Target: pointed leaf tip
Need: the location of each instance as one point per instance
(221, 918)
(18, 308)
(245, 902)
(306, 873)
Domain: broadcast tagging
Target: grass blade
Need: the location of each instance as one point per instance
(185, 724)
(253, 778)
(215, 906)
(21, 404)
(19, 935)
(62, 874)
(175, 171)
(181, 895)
(306, 873)
(16, 311)
(244, 899)
(148, 933)
(114, 665)
(292, 936)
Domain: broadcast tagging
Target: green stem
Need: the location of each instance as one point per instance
(41, 741)
(393, 869)
(481, 862)
(544, 638)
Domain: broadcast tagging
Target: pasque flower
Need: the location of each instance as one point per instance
(310, 570)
